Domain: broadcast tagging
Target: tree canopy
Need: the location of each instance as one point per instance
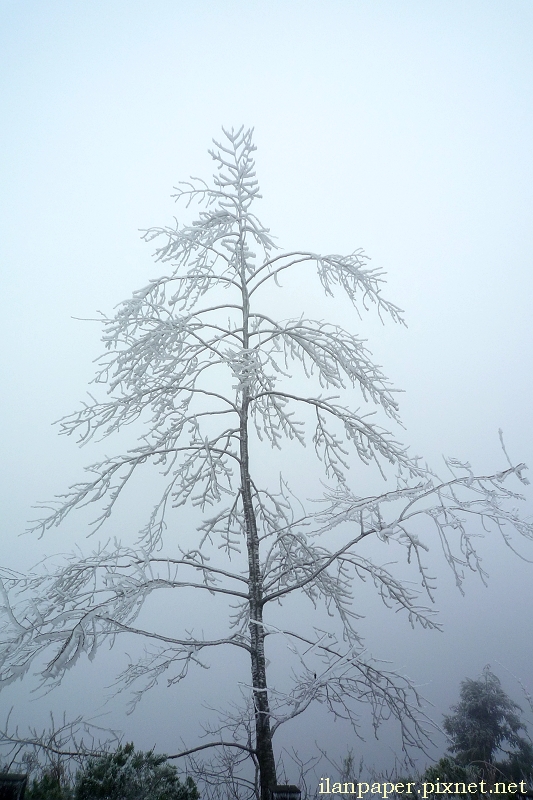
(486, 729)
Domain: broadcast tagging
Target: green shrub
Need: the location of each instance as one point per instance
(128, 774)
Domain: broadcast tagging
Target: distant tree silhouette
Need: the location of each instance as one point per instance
(486, 725)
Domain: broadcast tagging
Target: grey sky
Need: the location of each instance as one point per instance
(405, 128)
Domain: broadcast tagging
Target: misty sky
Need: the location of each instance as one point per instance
(402, 127)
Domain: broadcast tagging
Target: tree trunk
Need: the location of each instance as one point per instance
(263, 736)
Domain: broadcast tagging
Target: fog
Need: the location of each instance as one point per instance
(402, 128)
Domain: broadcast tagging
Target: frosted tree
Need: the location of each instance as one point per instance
(198, 363)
